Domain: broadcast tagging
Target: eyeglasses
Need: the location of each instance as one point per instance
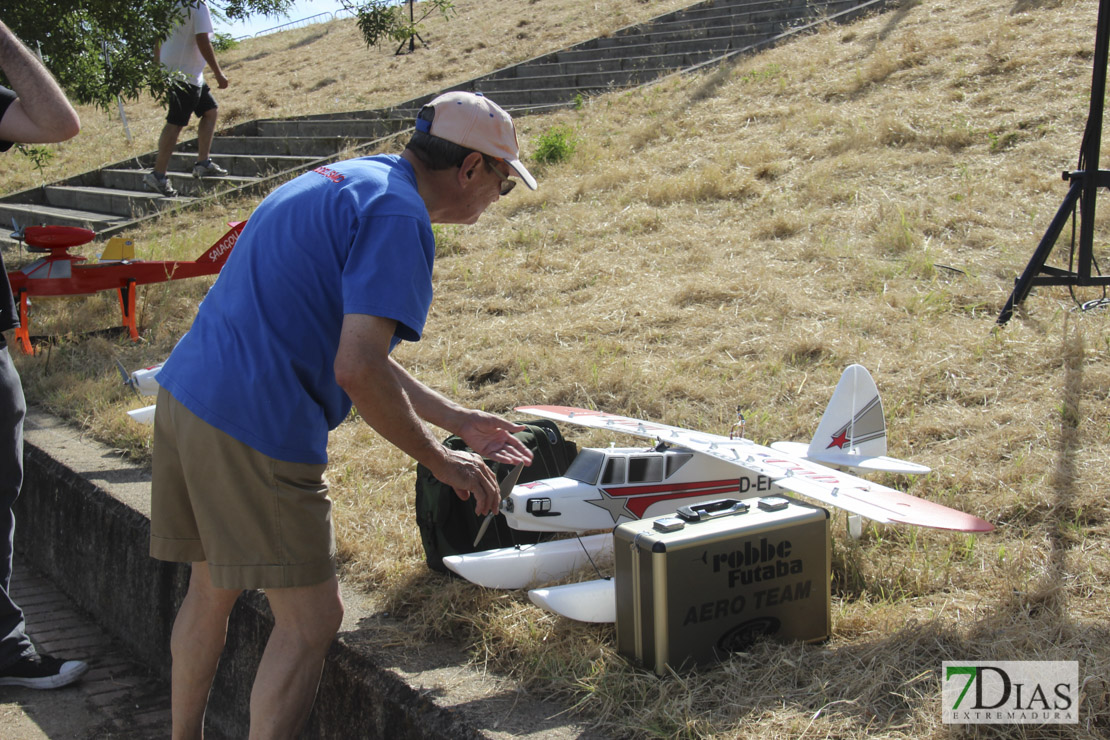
(507, 185)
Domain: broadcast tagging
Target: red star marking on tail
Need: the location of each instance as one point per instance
(839, 440)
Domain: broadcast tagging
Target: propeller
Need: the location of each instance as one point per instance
(143, 381)
(17, 236)
(505, 489)
(127, 379)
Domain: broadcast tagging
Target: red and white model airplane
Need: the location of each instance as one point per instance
(605, 487)
(60, 273)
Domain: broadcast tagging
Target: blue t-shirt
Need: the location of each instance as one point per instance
(258, 362)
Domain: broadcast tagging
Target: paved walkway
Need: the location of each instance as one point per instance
(116, 699)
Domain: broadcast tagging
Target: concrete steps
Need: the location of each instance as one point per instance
(261, 153)
(125, 203)
(38, 213)
(679, 41)
(185, 184)
(287, 146)
(340, 128)
(247, 167)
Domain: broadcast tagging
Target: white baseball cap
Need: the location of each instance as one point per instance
(476, 122)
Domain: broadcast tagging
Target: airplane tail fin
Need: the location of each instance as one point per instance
(118, 249)
(853, 421)
(219, 251)
(852, 431)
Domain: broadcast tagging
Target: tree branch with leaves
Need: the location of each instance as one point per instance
(99, 50)
(380, 21)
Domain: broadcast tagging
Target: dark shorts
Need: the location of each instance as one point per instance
(186, 100)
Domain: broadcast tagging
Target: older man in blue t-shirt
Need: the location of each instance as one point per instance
(332, 270)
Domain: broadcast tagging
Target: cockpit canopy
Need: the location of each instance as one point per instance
(620, 466)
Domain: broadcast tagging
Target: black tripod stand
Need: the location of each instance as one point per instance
(1085, 183)
(411, 39)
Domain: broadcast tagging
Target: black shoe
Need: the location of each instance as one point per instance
(42, 672)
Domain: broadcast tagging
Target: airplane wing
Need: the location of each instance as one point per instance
(635, 427)
(827, 485)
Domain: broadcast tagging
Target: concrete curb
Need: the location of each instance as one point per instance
(84, 523)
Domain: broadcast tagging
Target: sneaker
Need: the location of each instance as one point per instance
(42, 672)
(159, 184)
(208, 169)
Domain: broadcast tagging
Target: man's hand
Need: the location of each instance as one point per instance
(467, 474)
(492, 438)
(204, 45)
(393, 402)
(389, 400)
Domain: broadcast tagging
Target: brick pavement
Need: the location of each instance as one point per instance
(117, 699)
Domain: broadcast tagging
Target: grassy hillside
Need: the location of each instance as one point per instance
(865, 194)
(327, 67)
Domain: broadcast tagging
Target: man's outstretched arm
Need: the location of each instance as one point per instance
(391, 401)
(41, 113)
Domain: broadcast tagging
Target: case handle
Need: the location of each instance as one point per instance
(712, 509)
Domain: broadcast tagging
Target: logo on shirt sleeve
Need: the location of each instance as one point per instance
(331, 174)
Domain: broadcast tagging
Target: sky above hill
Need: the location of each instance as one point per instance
(302, 9)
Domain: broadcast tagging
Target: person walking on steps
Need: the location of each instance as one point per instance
(34, 112)
(184, 55)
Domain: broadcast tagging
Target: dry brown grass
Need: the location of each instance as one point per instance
(865, 194)
(327, 67)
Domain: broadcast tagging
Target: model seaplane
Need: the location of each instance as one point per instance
(605, 487)
(60, 273)
(145, 383)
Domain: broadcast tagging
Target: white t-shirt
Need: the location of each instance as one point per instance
(180, 52)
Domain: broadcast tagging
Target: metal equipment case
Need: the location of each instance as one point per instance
(693, 587)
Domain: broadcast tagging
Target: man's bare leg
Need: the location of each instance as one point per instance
(305, 622)
(167, 140)
(206, 129)
(198, 637)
